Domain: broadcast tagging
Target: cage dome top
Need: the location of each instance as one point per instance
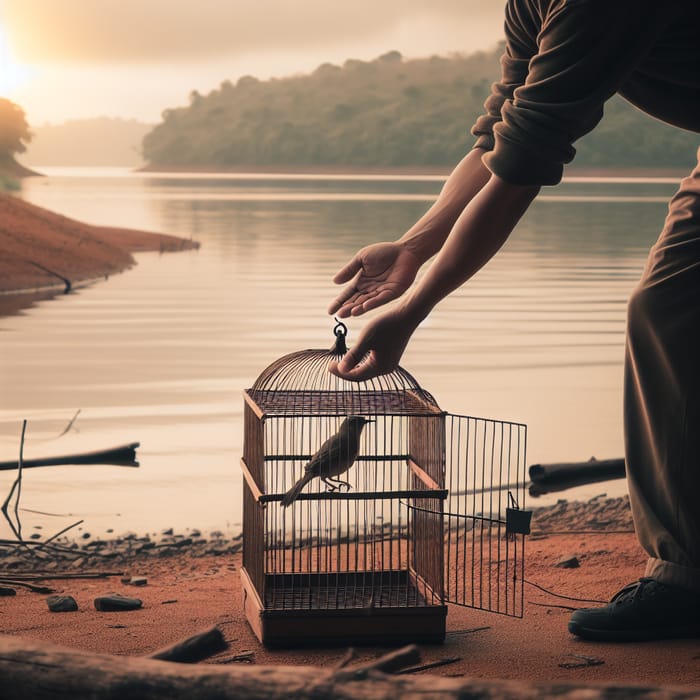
(301, 383)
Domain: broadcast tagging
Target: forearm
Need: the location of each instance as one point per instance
(427, 235)
(479, 232)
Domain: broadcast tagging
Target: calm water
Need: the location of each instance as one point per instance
(162, 353)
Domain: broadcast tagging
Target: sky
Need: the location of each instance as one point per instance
(76, 59)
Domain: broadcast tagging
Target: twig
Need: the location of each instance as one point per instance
(245, 657)
(17, 485)
(553, 605)
(471, 630)
(24, 584)
(70, 424)
(36, 576)
(58, 534)
(432, 664)
(19, 478)
(389, 663)
(348, 657)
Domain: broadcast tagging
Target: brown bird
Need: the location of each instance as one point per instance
(334, 457)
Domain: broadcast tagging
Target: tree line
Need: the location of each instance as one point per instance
(386, 112)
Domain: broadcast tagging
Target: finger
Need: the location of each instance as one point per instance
(360, 372)
(350, 360)
(345, 274)
(348, 298)
(373, 302)
(352, 305)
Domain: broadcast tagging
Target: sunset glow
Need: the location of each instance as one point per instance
(12, 74)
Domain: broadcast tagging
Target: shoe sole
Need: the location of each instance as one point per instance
(641, 635)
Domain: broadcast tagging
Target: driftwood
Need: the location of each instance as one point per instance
(122, 456)
(547, 478)
(195, 648)
(41, 671)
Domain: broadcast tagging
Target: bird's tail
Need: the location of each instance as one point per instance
(294, 492)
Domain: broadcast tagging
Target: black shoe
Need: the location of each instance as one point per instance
(642, 611)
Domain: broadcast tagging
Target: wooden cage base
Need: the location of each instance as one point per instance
(374, 608)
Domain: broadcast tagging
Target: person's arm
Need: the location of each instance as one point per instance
(382, 272)
(479, 232)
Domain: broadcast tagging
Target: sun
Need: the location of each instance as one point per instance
(12, 73)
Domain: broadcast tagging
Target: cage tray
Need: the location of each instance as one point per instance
(343, 609)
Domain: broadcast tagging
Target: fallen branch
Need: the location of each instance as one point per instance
(195, 648)
(38, 576)
(122, 456)
(41, 671)
(25, 584)
(548, 478)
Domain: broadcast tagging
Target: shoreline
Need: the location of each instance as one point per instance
(43, 252)
(187, 587)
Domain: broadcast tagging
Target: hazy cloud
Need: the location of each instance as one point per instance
(143, 31)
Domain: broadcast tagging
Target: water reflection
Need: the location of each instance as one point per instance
(162, 353)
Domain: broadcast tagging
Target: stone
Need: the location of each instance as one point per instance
(568, 562)
(117, 603)
(7, 591)
(138, 581)
(62, 603)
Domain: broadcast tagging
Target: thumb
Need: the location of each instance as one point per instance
(346, 273)
(351, 359)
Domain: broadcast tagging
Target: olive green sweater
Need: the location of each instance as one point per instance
(564, 58)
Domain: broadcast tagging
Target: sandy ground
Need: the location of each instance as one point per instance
(187, 593)
(41, 249)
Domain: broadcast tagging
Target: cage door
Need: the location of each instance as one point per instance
(485, 522)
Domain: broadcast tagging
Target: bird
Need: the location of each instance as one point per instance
(334, 457)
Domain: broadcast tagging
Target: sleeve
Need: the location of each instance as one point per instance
(584, 52)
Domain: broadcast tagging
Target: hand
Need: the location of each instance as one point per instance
(386, 271)
(378, 349)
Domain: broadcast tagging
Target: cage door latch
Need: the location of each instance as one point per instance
(517, 520)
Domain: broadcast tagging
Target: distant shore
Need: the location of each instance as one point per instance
(439, 171)
(42, 250)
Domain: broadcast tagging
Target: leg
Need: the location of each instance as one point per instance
(662, 447)
(333, 484)
(662, 396)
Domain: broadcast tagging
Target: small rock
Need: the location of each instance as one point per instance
(35, 536)
(169, 531)
(61, 603)
(85, 535)
(138, 581)
(7, 591)
(570, 562)
(116, 603)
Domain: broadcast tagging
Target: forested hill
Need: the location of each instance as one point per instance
(389, 112)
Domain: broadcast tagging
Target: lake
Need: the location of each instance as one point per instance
(162, 353)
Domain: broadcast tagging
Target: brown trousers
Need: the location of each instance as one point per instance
(662, 395)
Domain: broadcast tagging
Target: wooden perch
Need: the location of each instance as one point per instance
(547, 478)
(123, 456)
(41, 671)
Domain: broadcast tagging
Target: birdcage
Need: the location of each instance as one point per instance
(427, 510)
